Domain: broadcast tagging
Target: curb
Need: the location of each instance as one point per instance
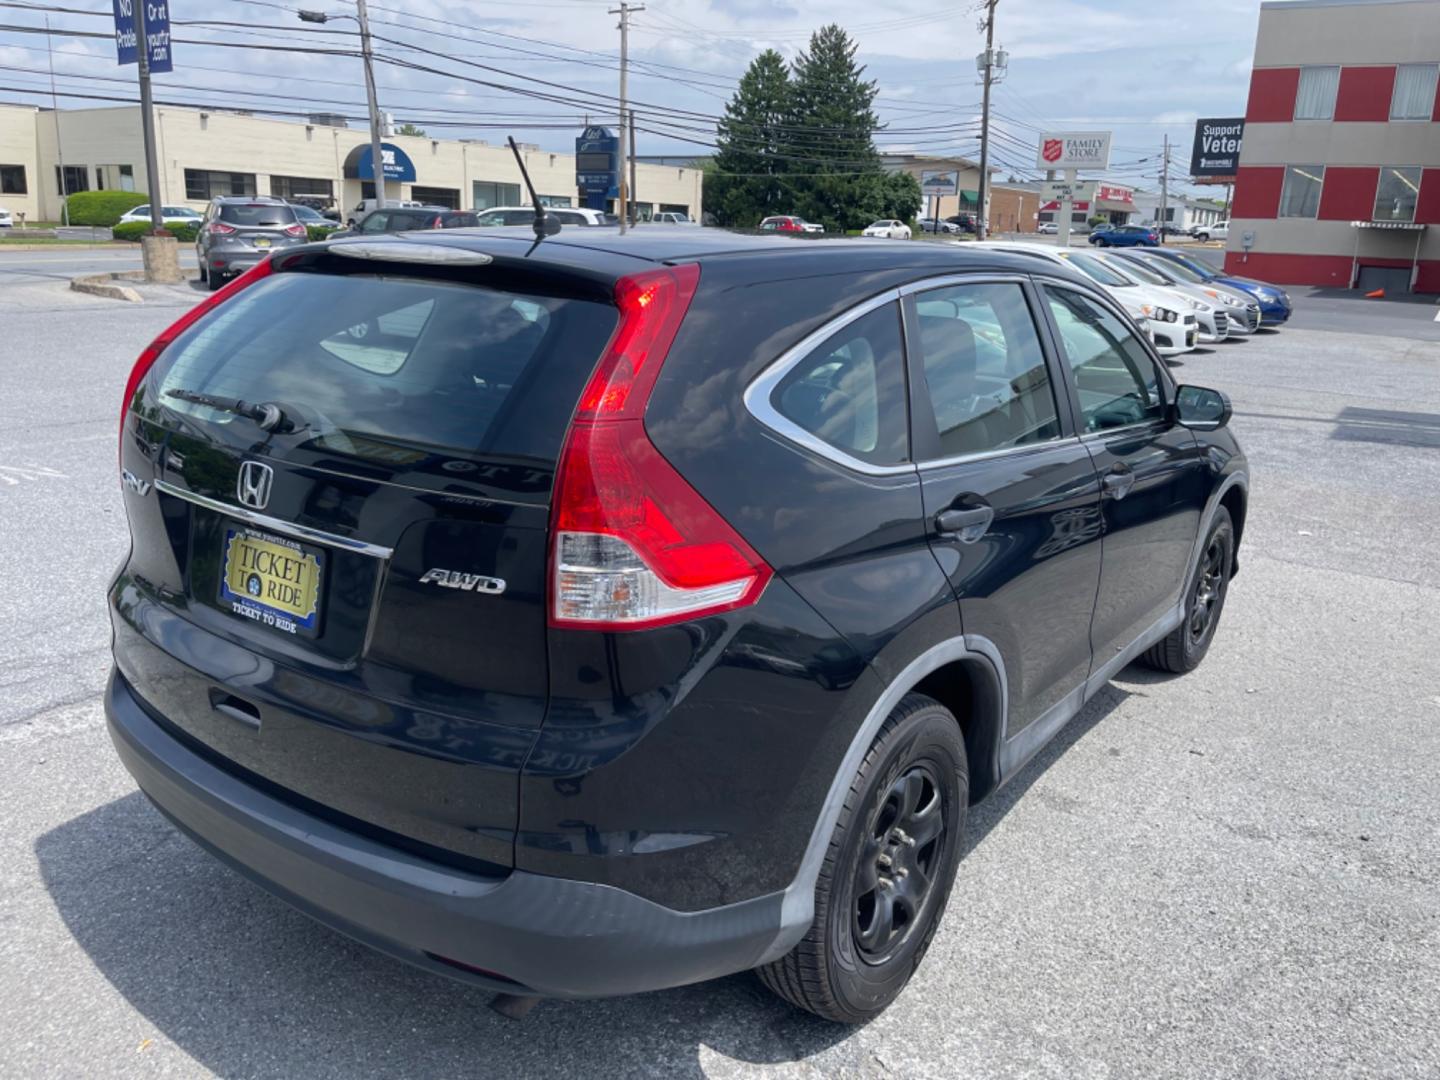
(105, 284)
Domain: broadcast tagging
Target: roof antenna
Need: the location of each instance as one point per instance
(545, 224)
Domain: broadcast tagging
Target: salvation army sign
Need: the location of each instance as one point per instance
(1074, 150)
(1216, 151)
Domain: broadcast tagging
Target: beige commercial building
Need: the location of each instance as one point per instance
(205, 154)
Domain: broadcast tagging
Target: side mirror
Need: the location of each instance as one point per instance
(1201, 409)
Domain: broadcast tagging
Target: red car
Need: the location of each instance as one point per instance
(789, 223)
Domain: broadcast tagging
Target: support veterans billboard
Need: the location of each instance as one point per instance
(1216, 152)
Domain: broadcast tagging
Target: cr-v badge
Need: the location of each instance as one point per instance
(252, 486)
(454, 579)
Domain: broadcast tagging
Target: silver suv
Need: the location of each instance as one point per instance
(241, 230)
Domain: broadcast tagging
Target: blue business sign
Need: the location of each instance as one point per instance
(398, 166)
(597, 166)
(157, 33)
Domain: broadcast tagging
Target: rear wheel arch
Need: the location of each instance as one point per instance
(970, 688)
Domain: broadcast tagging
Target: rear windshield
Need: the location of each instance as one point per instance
(256, 214)
(395, 369)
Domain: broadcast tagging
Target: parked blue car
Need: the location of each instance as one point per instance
(1274, 301)
(1125, 236)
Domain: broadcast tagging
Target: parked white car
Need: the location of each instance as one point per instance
(5, 221)
(525, 215)
(169, 215)
(1219, 231)
(1210, 315)
(673, 217)
(889, 229)
(1170, 323)
(1047, 228)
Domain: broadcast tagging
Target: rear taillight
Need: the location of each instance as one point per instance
(295, 230)
(152, 351)
(219, 228)
(634, 545)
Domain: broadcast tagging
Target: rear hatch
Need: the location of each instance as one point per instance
(256, 227)
(349, 606)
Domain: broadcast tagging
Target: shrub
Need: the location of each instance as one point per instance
(134, 230)
(319, 232)
(102, 207)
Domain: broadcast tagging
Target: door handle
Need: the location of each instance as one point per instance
(967, 525)
(1118, 482)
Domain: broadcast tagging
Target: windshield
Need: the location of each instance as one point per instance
(1189, 266)
(1135, 268)
(1094, 269)
(1173, 271)
(376, 362)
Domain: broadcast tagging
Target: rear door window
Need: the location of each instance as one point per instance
(365, 361)
(850, 391)
(984, 370)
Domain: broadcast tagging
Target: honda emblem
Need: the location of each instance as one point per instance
(252, 486)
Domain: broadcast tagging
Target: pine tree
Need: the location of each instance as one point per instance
(743, 185)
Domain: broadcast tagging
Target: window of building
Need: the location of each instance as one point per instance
(293, 187)
(12, 180)
(437, 196)
(985, 374)
(1316, 97)
(1414, 97)
(487, 194)
(850, 392)
(1300, 197)
(1396, 193)
(76, 178)
(202, 185)
(556, 200)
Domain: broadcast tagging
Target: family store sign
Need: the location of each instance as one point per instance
(1074, 150)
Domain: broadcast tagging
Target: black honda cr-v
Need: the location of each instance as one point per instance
(609, 613)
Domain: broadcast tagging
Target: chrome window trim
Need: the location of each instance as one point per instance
(288, 528)
(1004, 451)
(757, 394)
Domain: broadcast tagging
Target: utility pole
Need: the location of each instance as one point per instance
(1164, 189)
(625, 10)
(147, 122)
(59, 147)
(377, 157)
(634, 186)
(367, 54)
(987, 63)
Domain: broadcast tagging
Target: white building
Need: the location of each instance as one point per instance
(204, 154)
(1182, 211)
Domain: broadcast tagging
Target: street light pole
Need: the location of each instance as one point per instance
(367, 54)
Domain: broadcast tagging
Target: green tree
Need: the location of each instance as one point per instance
(410, 129)
(744, 183)
(832, 135)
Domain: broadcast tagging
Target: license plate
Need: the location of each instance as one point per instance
(262, 242)
(272, 581)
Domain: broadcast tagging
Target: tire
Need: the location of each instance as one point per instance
(204, 274)
(853, 961)
(1185, 646)
(1203, 237)
(213, 281)
(1102, 242)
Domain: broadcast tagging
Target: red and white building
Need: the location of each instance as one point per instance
(1339, 178)
(1113, 201)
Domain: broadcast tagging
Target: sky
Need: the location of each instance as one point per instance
(539, 69)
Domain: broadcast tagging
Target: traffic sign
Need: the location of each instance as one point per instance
(157, 33)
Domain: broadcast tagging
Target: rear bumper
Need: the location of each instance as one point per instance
(524, 932)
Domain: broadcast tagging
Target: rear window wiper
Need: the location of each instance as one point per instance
(269, 415)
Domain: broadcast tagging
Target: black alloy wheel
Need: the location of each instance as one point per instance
(897, 863)
(887, 871)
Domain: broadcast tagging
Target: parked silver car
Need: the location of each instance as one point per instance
(1240, 306)
(239, 231)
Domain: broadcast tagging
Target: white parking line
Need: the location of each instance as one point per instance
(11, 475)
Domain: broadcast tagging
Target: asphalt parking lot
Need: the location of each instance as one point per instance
(1234, 873)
